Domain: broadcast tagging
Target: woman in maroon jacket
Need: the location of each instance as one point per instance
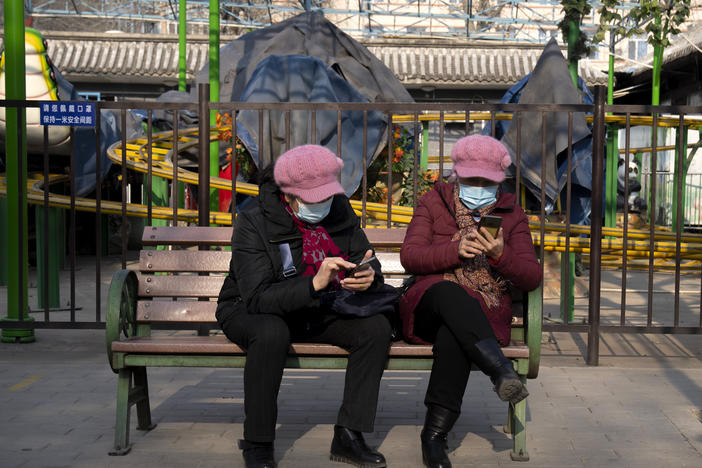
(460, 301)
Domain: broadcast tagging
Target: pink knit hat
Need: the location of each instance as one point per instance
(309, 171)
(480, 156)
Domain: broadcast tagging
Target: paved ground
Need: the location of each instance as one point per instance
(640, 408)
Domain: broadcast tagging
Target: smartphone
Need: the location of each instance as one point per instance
(364, 265)
(491, 223)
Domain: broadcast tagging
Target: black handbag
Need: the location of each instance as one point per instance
(380, 300)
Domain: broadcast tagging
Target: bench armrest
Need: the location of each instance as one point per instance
(121, 309)
(532, 330)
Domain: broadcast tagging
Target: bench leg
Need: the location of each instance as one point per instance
(517, 421)
(122, 446)
(507, 429)
(141, 397)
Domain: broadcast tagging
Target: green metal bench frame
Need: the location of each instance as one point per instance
(131, 348)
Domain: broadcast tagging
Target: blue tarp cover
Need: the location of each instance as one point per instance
(299, 78)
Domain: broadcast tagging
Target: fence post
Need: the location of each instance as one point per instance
(3, 242)
(16, 172)
(203, 191)
(598, 144)
(213, 164)
(612, 159)
(680, 172)
(182, 33)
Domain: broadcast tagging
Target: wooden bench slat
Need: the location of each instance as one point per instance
(179, 285)
(216, 261)
(176, 311)
(200, 311)
(219, 344)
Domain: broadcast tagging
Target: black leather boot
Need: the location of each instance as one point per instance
(437, 424)
(257, 455)
(489, 358)
(348, 446)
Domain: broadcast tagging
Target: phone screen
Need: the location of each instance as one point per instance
(491, 224)
(364, 265)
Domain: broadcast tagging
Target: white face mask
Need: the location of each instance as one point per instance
(475, 197)
(313, 212)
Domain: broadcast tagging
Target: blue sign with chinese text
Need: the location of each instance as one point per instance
(77, 114)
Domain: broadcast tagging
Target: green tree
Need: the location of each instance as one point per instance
(660, 19)
(619, 27)
(578, 47)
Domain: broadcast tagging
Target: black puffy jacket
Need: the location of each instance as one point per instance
(256, 281)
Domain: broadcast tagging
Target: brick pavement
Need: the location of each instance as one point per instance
(640, 408)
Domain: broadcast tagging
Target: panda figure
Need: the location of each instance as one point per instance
(632, 198)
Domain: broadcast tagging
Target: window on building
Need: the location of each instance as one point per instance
(638, 47)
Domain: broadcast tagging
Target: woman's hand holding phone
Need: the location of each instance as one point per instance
(361, 276)
(328, 270)
(491, 246)
(482, 242)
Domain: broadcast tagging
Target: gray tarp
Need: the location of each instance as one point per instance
(309, 34)
(297, 78)
(549, 83)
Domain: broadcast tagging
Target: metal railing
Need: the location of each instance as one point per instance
(639, 250)
(692, 193)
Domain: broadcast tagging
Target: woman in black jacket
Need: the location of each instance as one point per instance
(290, 253)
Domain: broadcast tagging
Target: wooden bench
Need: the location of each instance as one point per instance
(178, 288)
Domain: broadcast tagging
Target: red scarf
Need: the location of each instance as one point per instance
(475, 273)
(317, 245)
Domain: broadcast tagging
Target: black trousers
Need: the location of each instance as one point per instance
(267, 338)
(454, 321)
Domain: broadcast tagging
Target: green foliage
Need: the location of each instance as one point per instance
(612, 21)
(402, 149)
(424, 184)
(402, 167)
(672, 13)
(574, 11)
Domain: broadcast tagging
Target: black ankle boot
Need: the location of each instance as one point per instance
(348, 446)
(489, 358)
(437, 425)
(257, 454)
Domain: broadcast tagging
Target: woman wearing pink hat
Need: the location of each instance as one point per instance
(290, 254)
(460, 300)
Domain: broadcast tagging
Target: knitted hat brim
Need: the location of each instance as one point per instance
(495, 176)
(315, 194)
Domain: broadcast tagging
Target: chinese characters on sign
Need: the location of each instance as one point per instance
(78, 114)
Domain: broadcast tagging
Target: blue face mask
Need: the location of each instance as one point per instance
(477, 197)
(313, 213)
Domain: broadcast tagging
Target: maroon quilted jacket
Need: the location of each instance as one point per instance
(428, 252)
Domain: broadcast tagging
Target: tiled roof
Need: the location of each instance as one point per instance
(456, 65)
(430, 62)
(123, 58)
